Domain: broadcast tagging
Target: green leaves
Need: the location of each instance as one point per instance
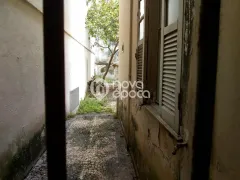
(102, 20)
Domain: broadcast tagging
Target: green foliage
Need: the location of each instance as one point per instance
(90, 105)
(109, 80)
(103, 20)
(70, 116)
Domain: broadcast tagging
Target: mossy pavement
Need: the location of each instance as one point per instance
(96, 150)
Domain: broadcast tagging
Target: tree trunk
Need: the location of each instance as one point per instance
(110, 61)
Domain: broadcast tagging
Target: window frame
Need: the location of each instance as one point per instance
(141, 18)
(152, 71)
(140, 45)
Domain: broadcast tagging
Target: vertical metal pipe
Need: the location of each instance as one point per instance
(54, 88)
(207, 69)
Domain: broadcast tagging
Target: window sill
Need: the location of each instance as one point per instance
(153, 110)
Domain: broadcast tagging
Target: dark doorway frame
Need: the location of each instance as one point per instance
(54, 76)
(206, 88)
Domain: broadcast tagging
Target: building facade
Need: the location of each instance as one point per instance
(79, 58)
(22, 107)
(161, 45)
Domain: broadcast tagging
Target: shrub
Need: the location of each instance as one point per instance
(90, 105)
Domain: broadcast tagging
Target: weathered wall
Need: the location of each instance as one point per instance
(226, 159)
(124, 56)
(150, 143)
(21, 86)
(79, 59)
(124, 39)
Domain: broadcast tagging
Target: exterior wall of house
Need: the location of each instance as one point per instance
(149, 142)
(124, 58)
(78, 56)
(22, 78)
(226, 159)
(124, 39)
(21, 87)
(79, 59)
(78, 70)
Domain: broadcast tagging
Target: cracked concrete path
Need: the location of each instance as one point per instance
(96, 150)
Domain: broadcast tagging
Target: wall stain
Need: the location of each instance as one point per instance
(15, 166)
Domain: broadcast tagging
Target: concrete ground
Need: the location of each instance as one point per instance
(96, 150)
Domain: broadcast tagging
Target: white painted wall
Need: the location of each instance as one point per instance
(79, 60)
(21, 76)
(74, 20)
(22, 109)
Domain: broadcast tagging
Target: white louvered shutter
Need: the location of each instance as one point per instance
(140, 45)
(139, 60)
(170, 67)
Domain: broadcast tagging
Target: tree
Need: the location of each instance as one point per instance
(102, 23)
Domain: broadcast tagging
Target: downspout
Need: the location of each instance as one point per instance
(206, 88)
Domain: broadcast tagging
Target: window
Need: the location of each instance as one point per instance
(141, 19)
(140, 48)
(163, 51)
(158, 55)
(141, 30)
(172, 11)
(170, 61)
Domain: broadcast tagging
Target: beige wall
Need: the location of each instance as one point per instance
(21, 76)
(124, 39)
(149, 143)
(124, 54)
(226, 148)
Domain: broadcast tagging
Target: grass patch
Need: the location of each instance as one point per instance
(91, 105)
(70, 116)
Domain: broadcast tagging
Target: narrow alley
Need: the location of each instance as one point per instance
(96, 149)
(119, 89)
